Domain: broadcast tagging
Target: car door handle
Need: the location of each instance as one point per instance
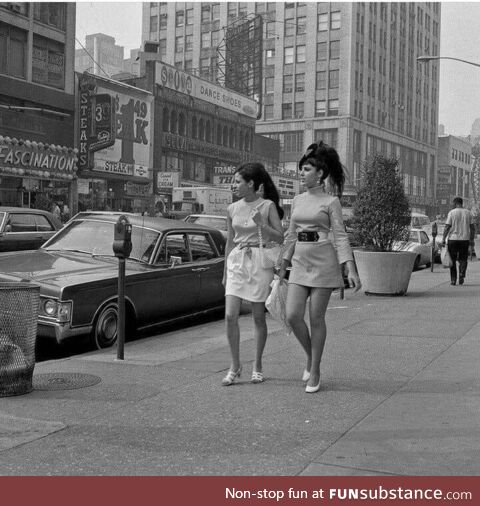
(200, 269)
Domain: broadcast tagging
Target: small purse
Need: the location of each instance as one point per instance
(270, 253)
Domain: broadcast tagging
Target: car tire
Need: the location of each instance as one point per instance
(105, 329)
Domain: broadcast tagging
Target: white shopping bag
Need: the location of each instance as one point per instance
(276, 302)
(445, 257)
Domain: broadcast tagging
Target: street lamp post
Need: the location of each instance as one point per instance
(427, 58)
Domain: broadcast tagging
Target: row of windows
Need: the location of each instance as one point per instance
(48, 57)
(297, 109)
(51, 14)
(460, 156)
(204, 130)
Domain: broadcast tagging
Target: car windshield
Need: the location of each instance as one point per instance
(2, 216)
(95, 237)
(219, 223)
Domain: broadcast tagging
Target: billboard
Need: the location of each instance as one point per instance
(175, 79)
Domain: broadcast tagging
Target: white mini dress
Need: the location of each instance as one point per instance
(246, 278)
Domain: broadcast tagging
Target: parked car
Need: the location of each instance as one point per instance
(24, 228)
(418, 242)
(175, 270)
(209, 220)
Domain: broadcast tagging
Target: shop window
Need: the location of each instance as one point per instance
(13, 48)
(225, 136)
(247, 142)
(201, 129)
(231, 140)
(173, 122)
(50, 13)
(240, 141)
(48, 62)
(194, 127)
(208, 131)
(166, 119)
(181, 124)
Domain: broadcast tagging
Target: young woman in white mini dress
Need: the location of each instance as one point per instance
(245, 278)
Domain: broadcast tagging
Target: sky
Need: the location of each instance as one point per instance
(459, 38)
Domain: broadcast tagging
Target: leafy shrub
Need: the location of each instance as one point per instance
(381, 212)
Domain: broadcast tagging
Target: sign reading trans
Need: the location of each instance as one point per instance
(171, 77)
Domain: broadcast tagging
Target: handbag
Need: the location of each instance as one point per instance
(276, 303)
(445, 257)
(270, 253)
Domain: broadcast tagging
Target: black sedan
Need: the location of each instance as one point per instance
(24, 228)
(175, 270)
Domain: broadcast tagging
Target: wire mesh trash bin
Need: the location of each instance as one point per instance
(19, 304)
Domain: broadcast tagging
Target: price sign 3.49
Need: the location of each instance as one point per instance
(103, 122)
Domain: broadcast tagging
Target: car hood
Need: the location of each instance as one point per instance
(54, 267)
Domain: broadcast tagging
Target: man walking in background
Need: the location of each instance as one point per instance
(460, 231)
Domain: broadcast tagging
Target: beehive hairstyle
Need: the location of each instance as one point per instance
(322, 156)
(254, 171)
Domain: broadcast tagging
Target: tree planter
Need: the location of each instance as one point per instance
(384, 273)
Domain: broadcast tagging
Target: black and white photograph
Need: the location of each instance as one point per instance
(238, 243)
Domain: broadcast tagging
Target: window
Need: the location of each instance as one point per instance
(334, 49)
(166, 120)
(206, 14)
(162, 47)
(286, 111)
(163, 21)
(333, 79)
(43, 225)
(204, 67)
(290, 26)
(270, 56)
(206, 39)
(179, 44)
(268, 111)
(288, 55)
(322, 22)
(320, 108)
(301, 25)
(271, 30)
(13, 47)
(48, 62)
(201, 129)
(329, 136)
(194, 127)
(181, 124)
(300, 54)
(208, 131)
(287, 83)
(292, 142)
(333, 107)
(321, 51)
(300, 82)
(50, 13)
(215, 38)
(269, 84)
(321, 80)
(154, 24)
(189, 16)
(200, 246)
(173, 122)
(216, 11)
(188, 42)
(180, 18)
(335, 20)
(299, 109)
(173, 245)
(22, 223)
(188, 65)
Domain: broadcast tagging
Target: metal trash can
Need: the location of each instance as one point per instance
(19, 304)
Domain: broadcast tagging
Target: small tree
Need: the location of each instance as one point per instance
(381, 212)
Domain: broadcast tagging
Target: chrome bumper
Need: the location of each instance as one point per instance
(60, 331)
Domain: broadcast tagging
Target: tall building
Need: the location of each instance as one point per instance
(37, 103)
(100, 56)
(343, 72)
(455, 163)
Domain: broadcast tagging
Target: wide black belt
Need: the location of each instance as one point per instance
(307, 236)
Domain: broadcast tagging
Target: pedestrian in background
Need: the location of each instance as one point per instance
(460, 230)
(244, 277)
(315, 260)
(56, 210)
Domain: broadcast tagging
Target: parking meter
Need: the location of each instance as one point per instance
(434, 234)
(122, 238)
(122, 247)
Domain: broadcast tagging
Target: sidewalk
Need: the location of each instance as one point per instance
(400, 396)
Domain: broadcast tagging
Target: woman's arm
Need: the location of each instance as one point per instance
(229, 245)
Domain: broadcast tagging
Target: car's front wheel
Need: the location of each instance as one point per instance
(104, 333)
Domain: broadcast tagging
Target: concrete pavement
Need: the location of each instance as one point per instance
(400, 396)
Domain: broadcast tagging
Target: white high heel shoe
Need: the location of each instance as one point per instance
(306, 375)
(231, 377)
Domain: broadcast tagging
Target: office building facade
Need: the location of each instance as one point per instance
(343, 72)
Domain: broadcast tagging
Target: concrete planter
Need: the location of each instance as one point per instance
(384, 273)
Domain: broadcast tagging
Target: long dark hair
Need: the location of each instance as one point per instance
(255, 171)
(322, 156)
